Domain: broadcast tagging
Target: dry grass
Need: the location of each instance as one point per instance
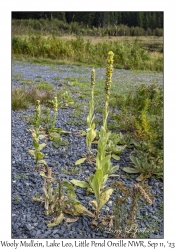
(22, 97)
(97, 39)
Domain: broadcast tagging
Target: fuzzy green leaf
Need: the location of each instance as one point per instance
(81, 184)
(55, 135)
(114, 169)
(105, 178)
(83, 133)
(32, 152)
(71, 192)
(80, 209)
(41, 146)
(131, 170)
(35, 144)
(39, 155)
(105, 160)
(41, 137)
(99, 177)
(135, 160)
(81, 160)
(115, 157)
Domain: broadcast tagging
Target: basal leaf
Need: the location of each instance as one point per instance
(81, 160)
(94, 203)
(71, 220)
(115, 157)
(57, 221)
(131, 170)
(135, 161)
(82, 210)
(104, 197)
(114, 169)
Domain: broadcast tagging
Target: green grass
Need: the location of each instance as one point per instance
(17, 76)
(45, 86)
(27, 81)
(127, 56)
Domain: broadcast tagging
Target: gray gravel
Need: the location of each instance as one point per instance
(28, 218)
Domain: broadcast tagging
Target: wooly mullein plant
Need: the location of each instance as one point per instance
(51, 122)
(104, 166)
(60, 200)
(36, 136)
(91, 132)
(103, 161)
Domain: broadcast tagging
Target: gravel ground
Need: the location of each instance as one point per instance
(28, 218)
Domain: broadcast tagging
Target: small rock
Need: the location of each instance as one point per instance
(28, 227)
(110, 203)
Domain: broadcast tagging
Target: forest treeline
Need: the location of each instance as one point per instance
(145, 20)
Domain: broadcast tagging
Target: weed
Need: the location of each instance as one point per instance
(16, 198)
(125, 223)
(36, 136)
(16, 177)
(38, 156)
(17, 76)
(70, 170)
(27, 81)
(145, 167)
(24, 176)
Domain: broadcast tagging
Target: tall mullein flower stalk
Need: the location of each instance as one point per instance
(91, 111)
(55, 108)
(91, 132)
(38, 116)
(109, 71)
